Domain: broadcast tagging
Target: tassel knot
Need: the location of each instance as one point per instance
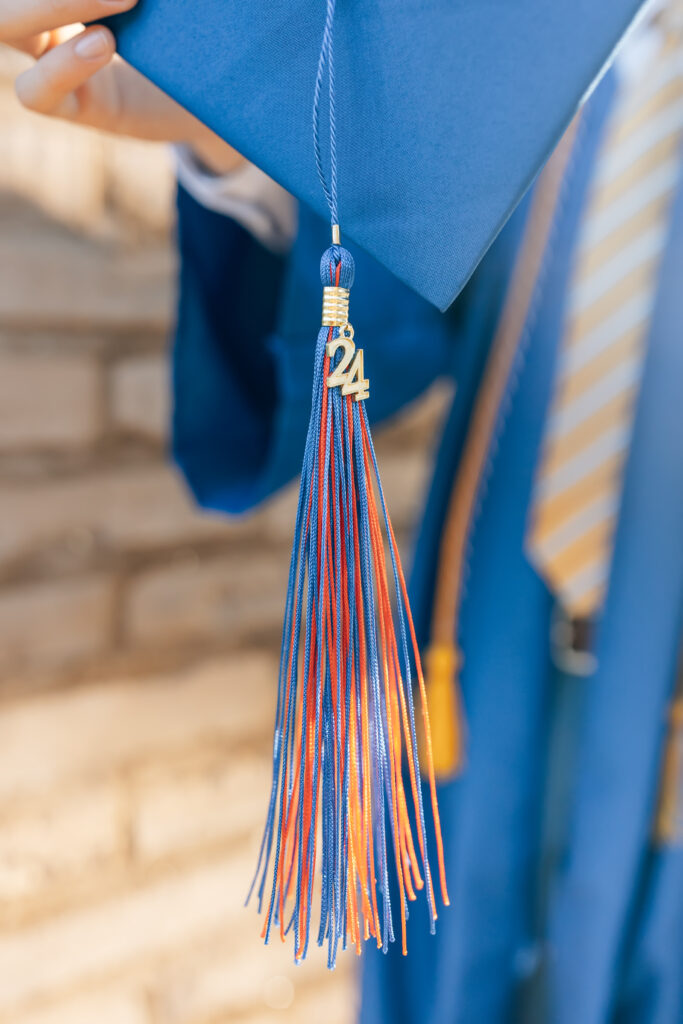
(337, 267)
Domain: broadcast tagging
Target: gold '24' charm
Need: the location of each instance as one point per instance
(348, 373)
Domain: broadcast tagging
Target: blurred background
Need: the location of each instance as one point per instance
(138, 637)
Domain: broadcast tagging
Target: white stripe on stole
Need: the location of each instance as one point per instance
(643, 249)
(569, 530)
(585, 580)
(571, 472)
(642, 89)
(634, 146)
(634, 313)
(591, 400)
(603, 223)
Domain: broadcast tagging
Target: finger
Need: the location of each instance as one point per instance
(34, 46)
(20, 19)
(49, 86)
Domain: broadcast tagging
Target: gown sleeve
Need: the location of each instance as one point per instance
(242, 356)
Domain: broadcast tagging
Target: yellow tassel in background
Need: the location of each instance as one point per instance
(669, 820)
(442, 665)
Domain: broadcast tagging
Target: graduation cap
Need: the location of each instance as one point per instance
(446, 110)
(432, 118)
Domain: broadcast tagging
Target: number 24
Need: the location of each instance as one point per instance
(348, 374)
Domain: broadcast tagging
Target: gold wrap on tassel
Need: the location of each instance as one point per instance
(442, 665)
(335, 306)
(669, 819)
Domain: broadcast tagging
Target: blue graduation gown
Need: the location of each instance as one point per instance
(247, 322)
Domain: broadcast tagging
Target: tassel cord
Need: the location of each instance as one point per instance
(326, 60)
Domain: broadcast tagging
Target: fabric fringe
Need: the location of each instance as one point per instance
(341, 802)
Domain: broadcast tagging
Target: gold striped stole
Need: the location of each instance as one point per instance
(622, 238)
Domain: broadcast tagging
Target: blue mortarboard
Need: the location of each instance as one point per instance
(446, 109)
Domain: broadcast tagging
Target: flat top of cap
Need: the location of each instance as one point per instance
(446, 109)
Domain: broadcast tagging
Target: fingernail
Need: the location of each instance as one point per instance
(94, 44)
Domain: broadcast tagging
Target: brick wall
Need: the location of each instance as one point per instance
(138, 644)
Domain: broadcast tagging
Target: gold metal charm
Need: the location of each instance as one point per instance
(348, 373)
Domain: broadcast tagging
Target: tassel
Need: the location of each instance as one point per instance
(668, 828)
(345, 721)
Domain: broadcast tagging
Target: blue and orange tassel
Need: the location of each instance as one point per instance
(346, 797)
